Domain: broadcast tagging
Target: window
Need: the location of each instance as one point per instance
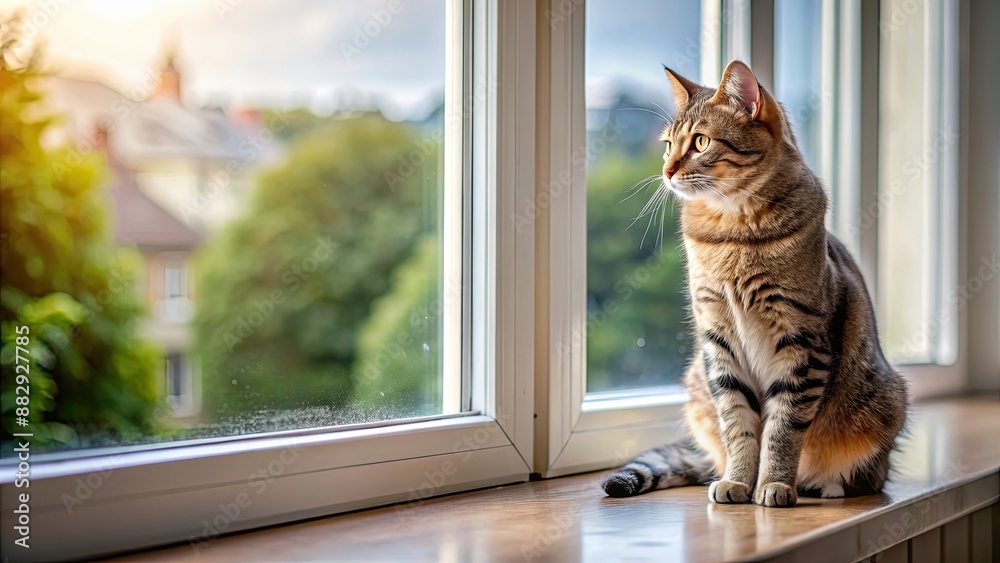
(636, 335)
(610, 364)
(175, 307)
(319, 295)
(918, 175)
(358, 319)
(181, 383)
(617, 343)
(360, 253)
(798, 76)
(817, 76)
(174, 383)
(173, 282)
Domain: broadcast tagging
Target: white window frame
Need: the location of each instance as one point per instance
(141, 497)
(576, 431)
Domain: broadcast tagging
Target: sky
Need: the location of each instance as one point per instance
(323, 53)
(633, 44)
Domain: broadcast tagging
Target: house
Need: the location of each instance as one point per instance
(179, 174)
(166, 245)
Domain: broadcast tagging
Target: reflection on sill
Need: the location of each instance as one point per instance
(635, 398)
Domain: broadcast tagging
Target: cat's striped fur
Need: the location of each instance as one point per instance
(789, 390)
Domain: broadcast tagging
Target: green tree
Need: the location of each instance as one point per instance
(92, 378)
(636, 299)
(284, 290)
(399, 361)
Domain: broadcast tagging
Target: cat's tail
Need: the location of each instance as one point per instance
(673, 465)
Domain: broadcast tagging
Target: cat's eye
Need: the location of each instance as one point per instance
(669, 147)
(701, 142)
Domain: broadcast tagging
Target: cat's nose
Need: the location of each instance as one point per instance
(669, 170)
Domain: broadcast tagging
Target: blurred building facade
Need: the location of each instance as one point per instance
(178, 174)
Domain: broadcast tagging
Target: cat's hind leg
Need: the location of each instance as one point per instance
(866, 478)
(832, 488)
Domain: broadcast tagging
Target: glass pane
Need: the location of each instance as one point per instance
(636, 329)
(797, 71)
(232, 222)
(910, 148)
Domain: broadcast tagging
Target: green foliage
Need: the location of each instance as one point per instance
(293, 123)
(636, 297)
(399, 360)
(284, 290)
(93, 379)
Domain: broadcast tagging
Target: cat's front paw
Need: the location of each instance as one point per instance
(729, 492)
(776, 494)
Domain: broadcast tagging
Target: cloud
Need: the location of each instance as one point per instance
(260, 50)
(264, 52)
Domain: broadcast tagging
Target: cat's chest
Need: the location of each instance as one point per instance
(726, 298)
(752, 332)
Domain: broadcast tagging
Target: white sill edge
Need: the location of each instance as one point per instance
(116, 459)
(638, 400)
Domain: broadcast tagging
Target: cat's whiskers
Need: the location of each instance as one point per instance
(732, 205)
(663, 217)
(654, 206)
(650, 205)
(712, 183)
(652, 217)
(639, 186)
(665, 119)
(705, 183)
(665, 112)
(743, 191)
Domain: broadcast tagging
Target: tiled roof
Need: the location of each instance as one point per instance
(140, 221)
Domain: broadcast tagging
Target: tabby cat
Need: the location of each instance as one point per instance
(789, 390)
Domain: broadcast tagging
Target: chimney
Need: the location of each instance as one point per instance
(170, 80)
(170, 75)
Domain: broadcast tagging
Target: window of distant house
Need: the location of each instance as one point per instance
(636, 333)
(174, 380)
(175, 306)
(293, 155)
(174, 282)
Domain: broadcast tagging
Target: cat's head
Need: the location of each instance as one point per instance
(723, 141)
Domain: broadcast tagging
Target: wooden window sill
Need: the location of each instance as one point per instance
(943, 498)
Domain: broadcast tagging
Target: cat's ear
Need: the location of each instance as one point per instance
(682, 87)
(739, 86)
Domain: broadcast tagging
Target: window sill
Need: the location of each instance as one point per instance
(85, 507)
(947, 475)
